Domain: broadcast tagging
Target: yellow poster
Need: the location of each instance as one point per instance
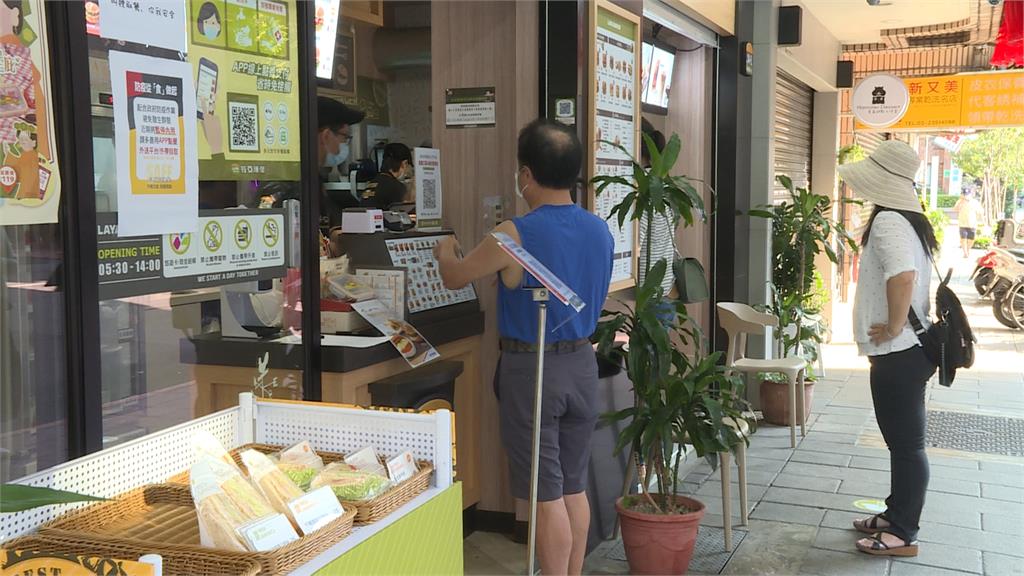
(993, 100)
(244, 58)
(29, 177)
(934, 103)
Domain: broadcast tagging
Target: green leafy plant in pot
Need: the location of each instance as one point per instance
(802, 229)
(682, 392)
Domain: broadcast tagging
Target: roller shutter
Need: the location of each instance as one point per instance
(794, 112)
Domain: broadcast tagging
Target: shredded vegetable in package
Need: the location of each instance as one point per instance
(224, 502)
(271, 482)
(300, 463)
(349, 483)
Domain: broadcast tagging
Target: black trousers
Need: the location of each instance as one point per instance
(898, 382)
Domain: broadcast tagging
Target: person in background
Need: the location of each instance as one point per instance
(334, 131)
(577, 247)
(967, 210)
(894, 280)
(388, 187)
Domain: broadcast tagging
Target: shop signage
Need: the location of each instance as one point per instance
(986, 100)
(880, 100)
(427, 169)
(614, 122)
(230, 246)
(345, 64)
(29, 176)
(155, 140)
(469, 107)
(27, 562)
(372, 98)
(159, 23)
(244, 59)
(325, 24)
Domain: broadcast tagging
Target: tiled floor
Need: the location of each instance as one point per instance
(804, 499)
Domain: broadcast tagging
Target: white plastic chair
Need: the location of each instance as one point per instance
(739, 320)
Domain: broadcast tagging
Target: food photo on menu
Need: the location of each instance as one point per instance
(402, 335)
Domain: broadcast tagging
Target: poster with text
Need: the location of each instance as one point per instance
(155, 139)
(615, 123)
(244, 61)
(29, 178)
(427, 170)
(158, 23)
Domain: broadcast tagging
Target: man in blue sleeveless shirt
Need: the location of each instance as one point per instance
(578, 248)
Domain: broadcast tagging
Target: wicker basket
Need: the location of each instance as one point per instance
(174, 562)
(162, 519)
(367, 511)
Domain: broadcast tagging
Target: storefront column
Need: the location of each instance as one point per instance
(825, 142)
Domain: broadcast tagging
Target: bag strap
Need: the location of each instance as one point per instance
(915, 323)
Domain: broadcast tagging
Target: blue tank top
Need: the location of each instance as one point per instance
(578, 248)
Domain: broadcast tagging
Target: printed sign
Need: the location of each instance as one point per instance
(345, 64)
(403, 336)
(155, 139)
(539, 271)
(243, 57)
(22, 562)
(880, 100)
(325, 23)
(469, 107)
(268, 533)
(615, 117)
(372, 98)
(401, 467)
(229, 246)
(29, 176)
(425, 290)
(316, 509)
(159, 23)
(427, 170)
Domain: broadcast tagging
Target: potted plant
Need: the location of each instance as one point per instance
(682, 392)
(802, 229)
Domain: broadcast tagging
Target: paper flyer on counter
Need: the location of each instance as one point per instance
(159, 23)
(403, 336)
(244, 61)
(155, 139)
(29, 176)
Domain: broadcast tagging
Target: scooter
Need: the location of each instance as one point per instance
(984, 275)
(1008, 272)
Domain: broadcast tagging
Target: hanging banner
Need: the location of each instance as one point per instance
(155, 139)
(962, 101)
(427, 169)
(159, 23)
(29, 178)
(244, 60)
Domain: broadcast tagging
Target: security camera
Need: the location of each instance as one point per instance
(994, 2)
(877, 2)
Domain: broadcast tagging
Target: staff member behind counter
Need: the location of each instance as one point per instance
(334, 131)
(387, 188)
(577, 247)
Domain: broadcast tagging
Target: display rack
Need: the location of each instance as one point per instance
(328, 427)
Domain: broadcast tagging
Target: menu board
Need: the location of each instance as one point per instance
(614, 123)
(425, 290)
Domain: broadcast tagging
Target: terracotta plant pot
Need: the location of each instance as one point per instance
(659, 543)
(775, 401)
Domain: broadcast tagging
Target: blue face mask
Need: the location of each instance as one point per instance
(332, 160)
(211, 32)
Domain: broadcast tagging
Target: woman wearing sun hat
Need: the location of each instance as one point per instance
(894, 277)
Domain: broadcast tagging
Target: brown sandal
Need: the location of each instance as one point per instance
(870, 525)
(879, 548)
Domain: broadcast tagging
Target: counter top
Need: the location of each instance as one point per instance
(214, 349)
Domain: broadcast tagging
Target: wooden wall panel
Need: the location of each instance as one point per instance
(484, 44)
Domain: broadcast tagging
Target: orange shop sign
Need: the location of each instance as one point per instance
(987, 100)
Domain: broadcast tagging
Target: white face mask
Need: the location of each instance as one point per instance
(519, 192)
(332, 160)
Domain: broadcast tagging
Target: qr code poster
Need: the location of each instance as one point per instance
(427, 163)
(246, 79)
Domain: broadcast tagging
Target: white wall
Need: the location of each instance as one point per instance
(814, 61)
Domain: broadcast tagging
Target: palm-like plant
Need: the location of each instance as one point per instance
(678, 395)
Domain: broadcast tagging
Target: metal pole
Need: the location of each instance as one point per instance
(540, 295)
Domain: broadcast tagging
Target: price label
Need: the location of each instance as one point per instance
(315, 510)
(268, 533)
(402, 467)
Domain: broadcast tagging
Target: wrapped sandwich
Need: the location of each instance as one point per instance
(300, 463)
(224, 503)
(206, 446)
(349, 483)
(271, 482)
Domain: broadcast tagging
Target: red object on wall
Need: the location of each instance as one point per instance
(1009, 50)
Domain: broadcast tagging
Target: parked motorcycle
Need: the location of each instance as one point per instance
(1007, 272)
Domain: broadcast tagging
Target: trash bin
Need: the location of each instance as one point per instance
(430, 387)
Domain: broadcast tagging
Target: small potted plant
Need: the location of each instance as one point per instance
(682, 392)
(802, 229)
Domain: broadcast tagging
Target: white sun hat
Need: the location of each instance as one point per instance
(886, 177)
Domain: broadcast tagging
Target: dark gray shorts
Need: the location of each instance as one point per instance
(568, 417)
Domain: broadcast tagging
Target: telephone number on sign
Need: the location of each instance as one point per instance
(136, 267)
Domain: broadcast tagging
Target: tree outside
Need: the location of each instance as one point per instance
(996, 157)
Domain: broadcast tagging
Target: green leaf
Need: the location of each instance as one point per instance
(669, 156)
(19, 497)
